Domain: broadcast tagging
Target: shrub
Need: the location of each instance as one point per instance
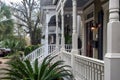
(24, 70)
(29, 49)
(14, 44)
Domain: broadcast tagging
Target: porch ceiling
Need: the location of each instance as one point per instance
(80, 3)
(46, 2)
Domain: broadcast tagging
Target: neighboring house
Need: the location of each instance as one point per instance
(87, 20)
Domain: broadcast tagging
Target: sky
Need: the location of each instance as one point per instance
(7, 1)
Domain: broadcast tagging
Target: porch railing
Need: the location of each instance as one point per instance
(85, 68)
(66, 56)
(51, 48)
(68, 47)
(39, 52)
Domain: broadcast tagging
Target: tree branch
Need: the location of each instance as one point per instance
(23, 20)
(21, 24)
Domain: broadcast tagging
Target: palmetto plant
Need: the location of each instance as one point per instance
(14, 44)
(6, 23)
(24, 70)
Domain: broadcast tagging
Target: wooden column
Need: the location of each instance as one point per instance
(112, 58)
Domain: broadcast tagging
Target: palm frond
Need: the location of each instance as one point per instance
(47, 70)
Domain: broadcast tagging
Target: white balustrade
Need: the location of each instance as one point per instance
(51, 48)
(39, 52)
(68, 47)
(88, 68)
(66, 56)
(85, 68)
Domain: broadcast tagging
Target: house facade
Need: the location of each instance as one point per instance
(92, 19)
(96, 24)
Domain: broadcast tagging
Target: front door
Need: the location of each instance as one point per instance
(89, 37)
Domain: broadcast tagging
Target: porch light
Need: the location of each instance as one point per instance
(93, 28)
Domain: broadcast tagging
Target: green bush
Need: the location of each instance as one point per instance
(29, 49)
(68, 39)
(18, 54)
(14, 44)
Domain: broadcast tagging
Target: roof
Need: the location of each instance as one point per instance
(46, 2)
(80, 3)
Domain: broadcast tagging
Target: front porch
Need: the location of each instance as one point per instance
(83, 67)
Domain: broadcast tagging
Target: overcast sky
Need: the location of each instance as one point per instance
(7, 1)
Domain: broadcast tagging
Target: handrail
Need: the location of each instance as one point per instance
(96, 61)
(85, 68)
(40, 52)
(36, 53)
(66, 56)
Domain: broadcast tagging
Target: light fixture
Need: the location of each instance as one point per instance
(93, 28)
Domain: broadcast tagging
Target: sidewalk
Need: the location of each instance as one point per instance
(3, 65)
(4, 60)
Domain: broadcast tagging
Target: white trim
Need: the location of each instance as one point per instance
(88, 20)
(89, 10)
(58, 5)
(54, 1)
(51, 32)
(113, 55)
(50, 7)
(105, 7)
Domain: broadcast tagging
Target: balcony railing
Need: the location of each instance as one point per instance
(85, 68)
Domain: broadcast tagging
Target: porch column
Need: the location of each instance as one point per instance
(74, 34)
(83, 35)
(57, 37)
(46, 32)
(112, 58)
(79, 33)
(62, 17)
(105, 10)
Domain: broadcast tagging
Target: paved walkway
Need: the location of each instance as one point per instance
(3, 65)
